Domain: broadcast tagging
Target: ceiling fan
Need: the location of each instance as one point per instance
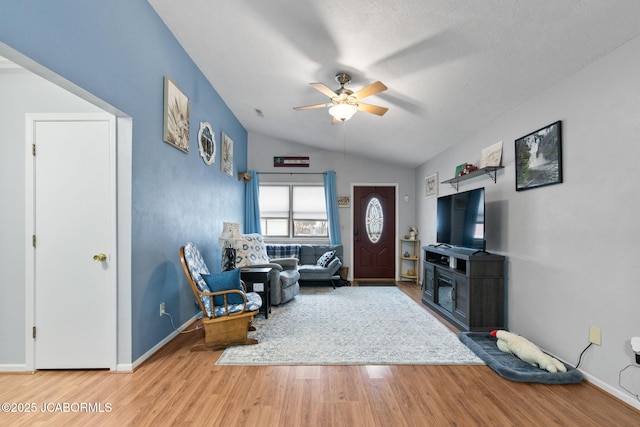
(344, 102)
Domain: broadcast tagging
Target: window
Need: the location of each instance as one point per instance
(293, 211)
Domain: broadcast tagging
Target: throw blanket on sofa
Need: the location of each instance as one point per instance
(283, 251)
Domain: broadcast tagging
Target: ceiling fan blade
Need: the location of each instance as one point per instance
(373, 109)
(310, 107)
(324, 89)
(372, 89)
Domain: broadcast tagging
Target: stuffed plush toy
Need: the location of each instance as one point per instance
(527, 351)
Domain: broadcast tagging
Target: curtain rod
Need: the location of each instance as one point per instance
(291, 173)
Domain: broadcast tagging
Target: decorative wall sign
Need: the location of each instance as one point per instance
(176, 116)
(226, 156)
(491, 156)
(539, 158)
(291, 161)
(431, 183)
(344, 202)
(207, 143)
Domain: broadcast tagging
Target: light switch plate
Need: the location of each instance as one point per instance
(258, 287)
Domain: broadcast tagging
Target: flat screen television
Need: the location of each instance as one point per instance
(461, 220)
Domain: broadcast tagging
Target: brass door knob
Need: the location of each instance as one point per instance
(100, 257)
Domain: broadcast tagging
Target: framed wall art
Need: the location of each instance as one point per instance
(344, 202)
(226, 155)
(207, 143)
(491, 156)
(539, 158)
(176, 116)
(431, 185)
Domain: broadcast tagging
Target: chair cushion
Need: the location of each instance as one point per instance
(316, 272)
(326, 258)
(227, 280)
(252, 251)
(197, 268)
(254, 302)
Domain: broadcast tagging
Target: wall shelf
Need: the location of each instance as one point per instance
(492, 171)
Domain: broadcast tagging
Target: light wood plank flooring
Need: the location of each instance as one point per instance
(177, 387)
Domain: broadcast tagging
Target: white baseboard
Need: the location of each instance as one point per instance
(124, 367)
(618, 394)
(120, 367)
(13, 367)
(152, 350)
(626, 398)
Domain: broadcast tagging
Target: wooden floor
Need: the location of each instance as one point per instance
(178, 387)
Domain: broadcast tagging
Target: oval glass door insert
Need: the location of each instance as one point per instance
(375, 218)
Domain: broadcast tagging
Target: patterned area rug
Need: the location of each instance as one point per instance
(350, 326)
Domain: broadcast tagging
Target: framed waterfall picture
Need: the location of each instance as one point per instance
(226, 155)
(176, 116)
(539, 158)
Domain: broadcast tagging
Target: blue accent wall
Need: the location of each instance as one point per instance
(120, 51)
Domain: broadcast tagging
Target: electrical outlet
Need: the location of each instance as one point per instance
(595, 335)
(162, 312)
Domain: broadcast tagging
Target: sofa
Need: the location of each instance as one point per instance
(310, 266)
(312, 271)
(290, 264)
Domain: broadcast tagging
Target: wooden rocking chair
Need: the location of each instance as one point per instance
(226, 323)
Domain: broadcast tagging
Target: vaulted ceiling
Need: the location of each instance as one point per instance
(450, 66)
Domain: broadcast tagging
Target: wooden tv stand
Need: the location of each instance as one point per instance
(464, 286)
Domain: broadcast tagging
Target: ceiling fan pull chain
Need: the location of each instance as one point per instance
(344, 140)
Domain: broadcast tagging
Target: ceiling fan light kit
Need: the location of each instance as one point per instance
(343, 112)
(344, 102)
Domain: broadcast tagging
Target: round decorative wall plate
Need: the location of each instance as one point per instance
(207, 143)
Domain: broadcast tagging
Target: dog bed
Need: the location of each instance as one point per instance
(510, 366)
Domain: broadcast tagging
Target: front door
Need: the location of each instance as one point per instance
(74, 241)
(374, 232)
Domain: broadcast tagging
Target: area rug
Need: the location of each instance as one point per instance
(350, 326)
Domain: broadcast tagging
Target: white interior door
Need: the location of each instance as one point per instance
(74, 253)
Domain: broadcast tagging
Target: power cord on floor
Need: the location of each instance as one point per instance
(623, 387)
(174, 326)
(581, 354)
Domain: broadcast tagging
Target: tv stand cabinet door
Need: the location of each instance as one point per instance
(461, 298)
(428, 276)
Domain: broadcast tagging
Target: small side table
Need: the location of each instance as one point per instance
(257, 280)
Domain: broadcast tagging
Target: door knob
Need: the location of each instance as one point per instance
(100, 257)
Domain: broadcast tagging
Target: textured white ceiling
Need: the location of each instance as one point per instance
(450, 66)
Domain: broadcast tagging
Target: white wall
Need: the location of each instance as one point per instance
(572, 249)
(349, 170)
(22, 92)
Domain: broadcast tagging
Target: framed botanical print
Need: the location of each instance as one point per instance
(431, 185)
(176, 116)
(226, 155)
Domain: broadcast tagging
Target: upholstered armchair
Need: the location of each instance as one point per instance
(284, 271)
